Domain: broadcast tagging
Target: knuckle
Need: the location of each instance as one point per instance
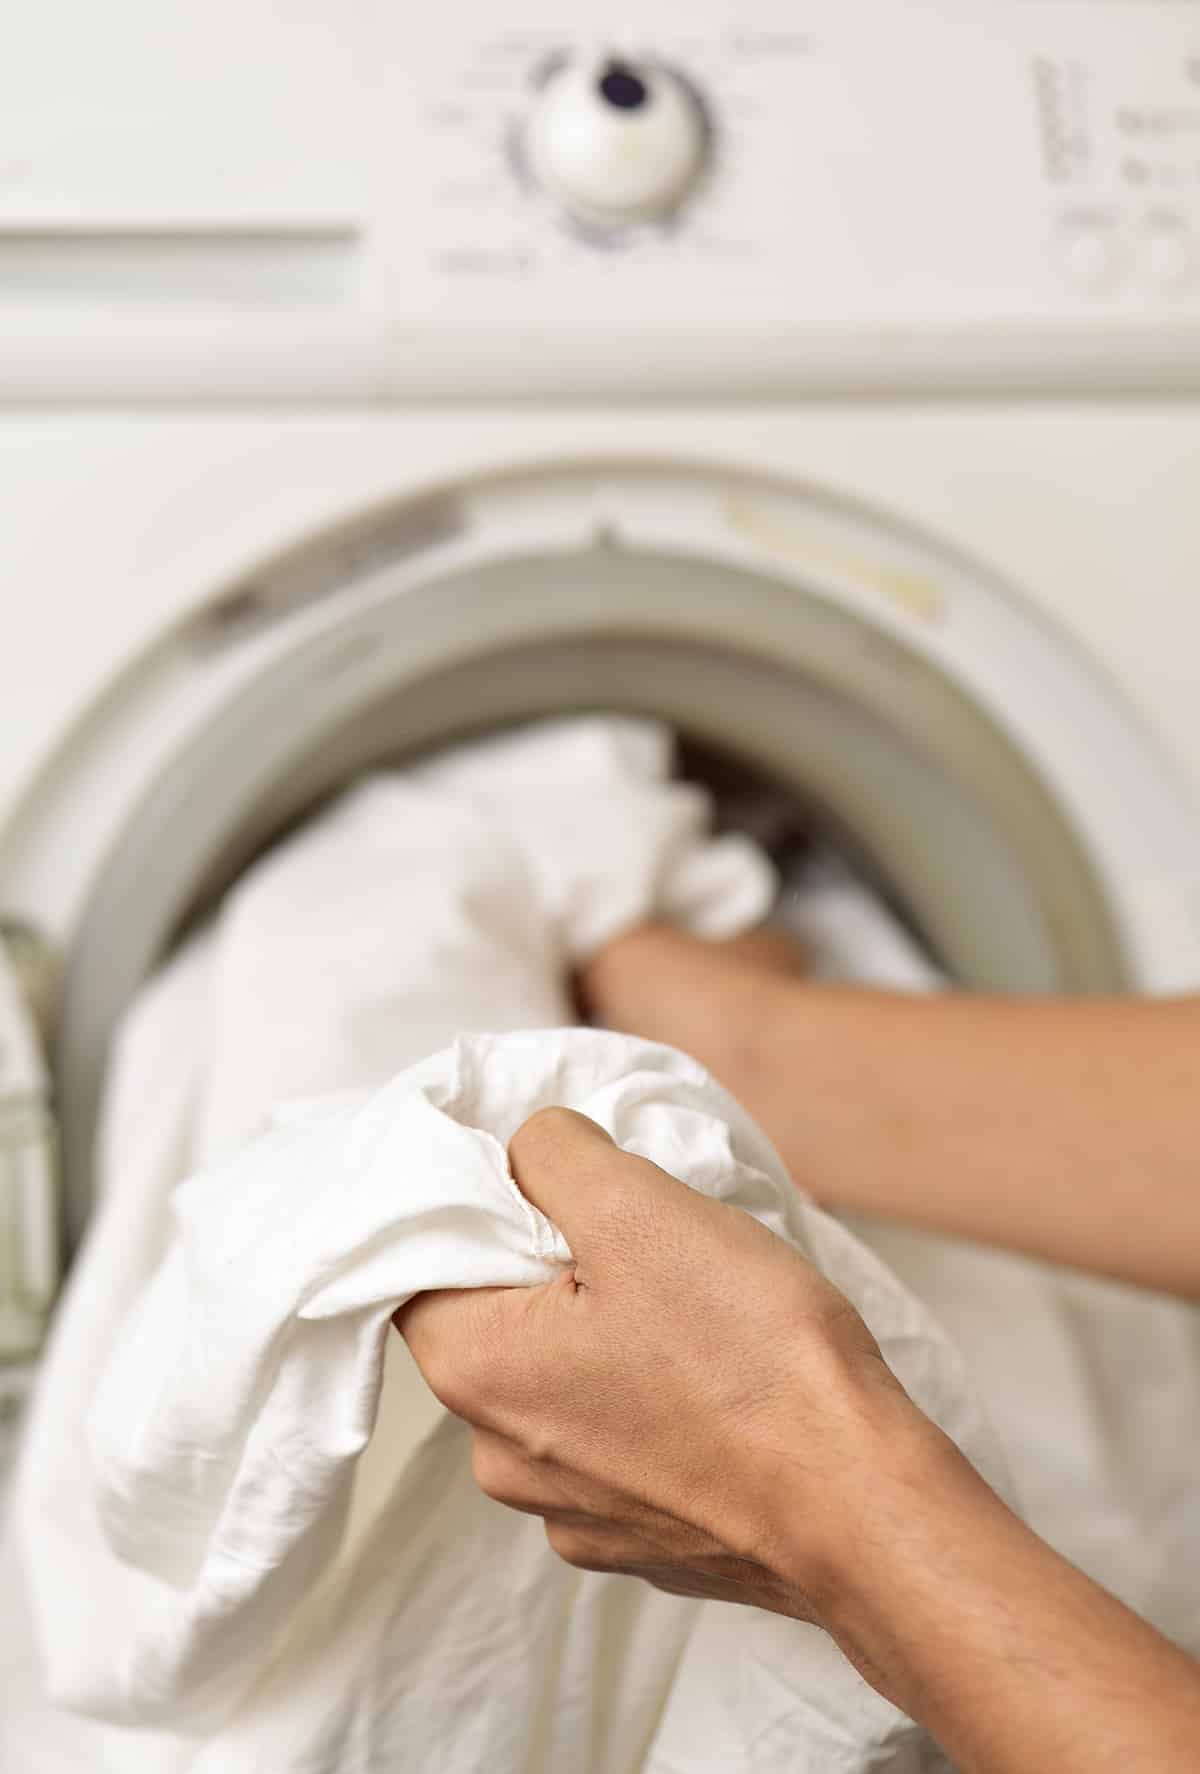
(540, 1442)
(573, 1546)
(492, 1472)
(457, 1377)
(447, 1384)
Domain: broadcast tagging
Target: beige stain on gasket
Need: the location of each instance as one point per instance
(913, 593)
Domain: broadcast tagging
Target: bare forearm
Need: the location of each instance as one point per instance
(1067, 1129)
(1007, 1654)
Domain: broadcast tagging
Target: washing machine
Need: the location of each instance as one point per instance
(824, 379)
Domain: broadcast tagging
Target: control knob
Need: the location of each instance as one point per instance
(616, 142)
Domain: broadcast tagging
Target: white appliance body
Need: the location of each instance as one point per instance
(905, 332)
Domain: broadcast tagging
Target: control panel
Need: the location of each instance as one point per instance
(259, 200)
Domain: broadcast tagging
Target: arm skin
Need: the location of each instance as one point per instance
(1010, 1657)
(694, 1405)
(1067, 1129)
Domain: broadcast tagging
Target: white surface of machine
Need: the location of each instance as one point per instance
(827, 382)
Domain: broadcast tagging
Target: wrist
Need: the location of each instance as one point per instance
(950, 1606)
(826, 1490)
(913, 1524)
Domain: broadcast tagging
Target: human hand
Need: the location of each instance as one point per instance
(724, 1002)
(662, 983)
(692, 1403)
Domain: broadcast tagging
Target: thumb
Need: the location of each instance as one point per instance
(570, 1168)
(557, 1159)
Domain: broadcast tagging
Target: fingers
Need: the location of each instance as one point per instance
(597, 1546)
(504, 1471)
(580, 1524)
(571, 1169)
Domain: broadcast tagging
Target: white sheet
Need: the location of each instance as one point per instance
(1095, 1388)
(228, 1568)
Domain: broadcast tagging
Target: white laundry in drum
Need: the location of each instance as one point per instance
(266, 1549)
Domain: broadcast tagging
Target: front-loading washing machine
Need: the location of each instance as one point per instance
(825, 382)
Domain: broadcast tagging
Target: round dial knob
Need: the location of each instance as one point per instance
(616, 142)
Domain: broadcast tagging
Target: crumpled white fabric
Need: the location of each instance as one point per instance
(453, 898)
(267, 1550)
(226, 1434)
